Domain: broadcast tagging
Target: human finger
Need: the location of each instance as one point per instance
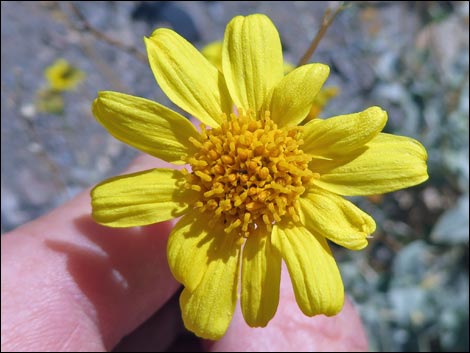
(290, 330)
(71, 284)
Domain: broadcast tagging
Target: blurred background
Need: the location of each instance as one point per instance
(411, 284)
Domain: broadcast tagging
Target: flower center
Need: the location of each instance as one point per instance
(250, 173)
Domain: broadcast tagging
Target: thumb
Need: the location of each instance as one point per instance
(69, 283)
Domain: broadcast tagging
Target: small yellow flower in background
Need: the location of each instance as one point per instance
(50, 101)
(213, 53)
(375, 198)
(321, 100)
(62, 76)
(288, 67)
(259, 189)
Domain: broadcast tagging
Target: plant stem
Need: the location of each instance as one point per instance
(327, 20)
(104, 37)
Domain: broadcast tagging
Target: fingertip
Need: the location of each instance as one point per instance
(108, 280)
(291, 330)
(145, 161)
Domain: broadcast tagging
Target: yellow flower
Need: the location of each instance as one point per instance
(50, 101)
(259, 188)
(321, 100)
(62, 76)
(213, 53)
(288, 67)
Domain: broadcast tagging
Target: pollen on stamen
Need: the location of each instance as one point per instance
(249, 173)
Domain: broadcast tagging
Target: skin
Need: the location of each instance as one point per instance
(69, 284)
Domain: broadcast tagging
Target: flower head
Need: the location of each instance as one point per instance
(259, 189)
(62, 76)
(50, 101)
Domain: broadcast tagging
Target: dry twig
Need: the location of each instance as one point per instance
(87, 26)
(327, 20)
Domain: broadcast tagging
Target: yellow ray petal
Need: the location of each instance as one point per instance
(251, 60)
(208, 310)
(187, 78)
(340, 135)
(146, 125)
(317, 283)
(141, 198)
(188, 248)
(389, 163)
(261, 275)
(335, 218)
(293, 96)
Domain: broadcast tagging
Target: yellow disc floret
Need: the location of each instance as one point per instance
(249, 173)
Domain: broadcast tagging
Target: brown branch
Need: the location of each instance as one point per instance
(89, 49)
(327, 20)
(87, 26)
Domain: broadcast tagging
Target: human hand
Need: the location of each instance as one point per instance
(69, 284)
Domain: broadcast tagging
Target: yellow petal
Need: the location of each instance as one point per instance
(188, 248)
(187, 78)
(208, 310)
(141, 198)
(293, 96)
(389, 163)
(261, 275)
(343, 134)
(335, 218)
(251, 60)
(146, 125)
(317, 283)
